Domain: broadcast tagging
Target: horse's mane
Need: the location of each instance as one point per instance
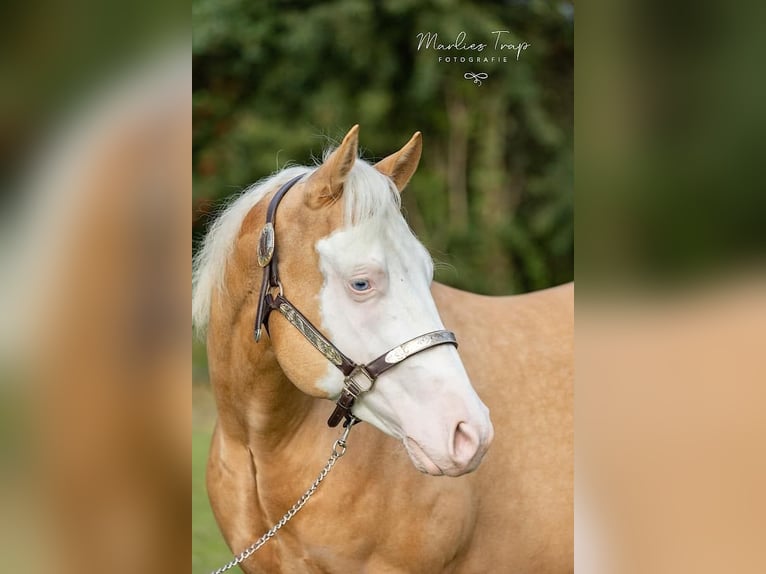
(368, 195)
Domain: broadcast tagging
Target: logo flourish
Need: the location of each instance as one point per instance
(477, 78)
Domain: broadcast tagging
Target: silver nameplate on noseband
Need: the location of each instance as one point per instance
(266, 245)
(398, 354)
(308, 331)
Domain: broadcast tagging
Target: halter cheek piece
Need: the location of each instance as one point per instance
(358, 379)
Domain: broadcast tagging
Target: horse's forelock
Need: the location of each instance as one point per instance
(369, 195)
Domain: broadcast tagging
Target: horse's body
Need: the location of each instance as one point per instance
(375, 512)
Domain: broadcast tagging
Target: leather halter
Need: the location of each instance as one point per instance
(358, 378)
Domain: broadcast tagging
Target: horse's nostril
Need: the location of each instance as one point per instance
(465, 443)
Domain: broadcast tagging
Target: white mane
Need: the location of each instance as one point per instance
(368, 195)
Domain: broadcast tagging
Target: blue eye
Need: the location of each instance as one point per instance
(360, 285)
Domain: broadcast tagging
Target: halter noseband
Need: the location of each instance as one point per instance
(358, 379)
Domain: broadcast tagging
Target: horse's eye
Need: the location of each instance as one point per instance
(360, 285)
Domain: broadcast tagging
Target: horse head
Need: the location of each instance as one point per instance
(350, 263)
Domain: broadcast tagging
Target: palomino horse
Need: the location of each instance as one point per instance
(351, 265)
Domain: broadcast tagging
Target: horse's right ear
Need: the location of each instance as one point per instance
(325, 185)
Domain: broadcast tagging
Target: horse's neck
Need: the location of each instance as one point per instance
(257, 404)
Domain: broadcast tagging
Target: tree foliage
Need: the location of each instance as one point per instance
(279, 81)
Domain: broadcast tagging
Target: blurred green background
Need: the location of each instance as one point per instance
(278, 82)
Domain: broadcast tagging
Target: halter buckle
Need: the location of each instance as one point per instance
(359, 381)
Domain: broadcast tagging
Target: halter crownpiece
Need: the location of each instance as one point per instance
(267, 259)
(358, 379)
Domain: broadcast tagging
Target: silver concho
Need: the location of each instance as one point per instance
(266, 245)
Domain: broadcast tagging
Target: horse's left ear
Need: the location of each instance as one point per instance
(401, 165)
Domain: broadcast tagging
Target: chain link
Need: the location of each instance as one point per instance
(338, 450)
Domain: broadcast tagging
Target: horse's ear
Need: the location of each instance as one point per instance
(326, 184)
(401, 165)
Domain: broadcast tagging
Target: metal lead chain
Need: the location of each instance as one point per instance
(338, 450)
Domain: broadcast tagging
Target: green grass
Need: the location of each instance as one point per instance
(208, 548)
